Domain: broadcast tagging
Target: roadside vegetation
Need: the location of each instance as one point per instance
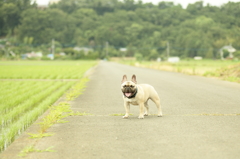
(23, 101)
(227, 70)
(56, 114)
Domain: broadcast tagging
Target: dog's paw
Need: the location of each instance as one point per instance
(125, 117)
(160, 115)
(146, 114)
(141, 117)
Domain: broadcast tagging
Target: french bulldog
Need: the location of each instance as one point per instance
(139, 94)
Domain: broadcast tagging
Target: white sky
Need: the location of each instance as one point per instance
(184, 3)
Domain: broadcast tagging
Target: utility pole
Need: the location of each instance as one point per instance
(7, 48)
(106, 49)
(168, 50)
(53, 48)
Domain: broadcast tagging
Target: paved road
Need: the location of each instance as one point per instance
(198, 122)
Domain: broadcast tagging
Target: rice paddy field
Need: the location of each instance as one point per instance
(29, 88)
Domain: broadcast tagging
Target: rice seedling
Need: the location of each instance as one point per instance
(44, 70)
(22, 102)
(12, 88)
(14, 99)
(17, 111)
(15, 128)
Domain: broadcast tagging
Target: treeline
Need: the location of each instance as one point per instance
(108, 25)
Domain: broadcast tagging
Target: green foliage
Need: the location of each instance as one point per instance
(10, 11)
(153, 55)
(197, 30)
(138, 56)
(237, 54)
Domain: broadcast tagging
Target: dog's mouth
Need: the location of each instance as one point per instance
(128, 94)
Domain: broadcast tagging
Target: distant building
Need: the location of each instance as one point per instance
(173, 59)
(53, 1)
(85, 49)
(197, 58)
(50, 56)
(32, 55)
(229, 48)
(42, 6)
(123, 49)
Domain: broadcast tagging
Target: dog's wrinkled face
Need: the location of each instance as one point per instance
(129, 87)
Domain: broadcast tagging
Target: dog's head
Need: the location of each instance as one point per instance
(129, 88)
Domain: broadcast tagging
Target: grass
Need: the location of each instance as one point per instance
(230, 73)
(30, 149)
(56, 114)
(75, 91)
(226, 70)
(40, 135)
(22, 102)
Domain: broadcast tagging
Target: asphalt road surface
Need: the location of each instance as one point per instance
(201, 120)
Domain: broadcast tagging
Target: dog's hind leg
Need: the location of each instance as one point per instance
(157, 102)
(146, 108)
(141, 108)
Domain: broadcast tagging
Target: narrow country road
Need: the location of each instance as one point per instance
(201, 120)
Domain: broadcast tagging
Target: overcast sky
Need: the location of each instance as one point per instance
(184, 3)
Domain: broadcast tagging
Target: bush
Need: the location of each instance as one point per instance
(237, 54)
(138, 56)
(153, 55)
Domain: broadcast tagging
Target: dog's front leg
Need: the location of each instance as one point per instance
(127, 108)
(141, 109)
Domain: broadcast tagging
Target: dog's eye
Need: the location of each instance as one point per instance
(131, 86)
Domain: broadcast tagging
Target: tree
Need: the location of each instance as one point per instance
(141, 27)
(10, 11)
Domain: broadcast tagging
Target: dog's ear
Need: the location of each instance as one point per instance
(124, 78)
(134, 79)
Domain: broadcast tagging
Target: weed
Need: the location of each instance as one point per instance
(77, 89)
(55, 115)
(79, 114)
(40, 135)
(30, 149)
